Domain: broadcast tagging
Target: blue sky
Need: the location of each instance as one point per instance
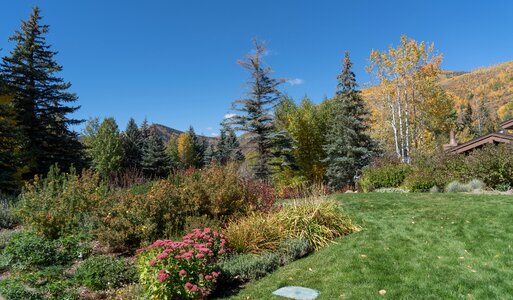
(174, 62)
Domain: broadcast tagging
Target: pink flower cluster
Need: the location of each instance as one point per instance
(187, 265)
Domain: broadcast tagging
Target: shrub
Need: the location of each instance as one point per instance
(61, 203)
(387, 175)
(457, 187)
(316, 221)
(246, 267)
(423, 181)
(291, 250)
(104, 272)
(259, 194)
(5, 236)
(25, 250)
(255, 233)
(476, 184)
(181, 270)
(13, 289)
(391, 190)
(8, 219)
(502, 187)
(434, 189)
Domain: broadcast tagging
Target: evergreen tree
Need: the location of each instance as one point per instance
(172, 153)
(155, 161)
(106, 148)
(209, 156)
(40, 100)
(10, 167)
(467, 119)
(132, 145)
(348, 145)
(255, 116)
(228, 148)
(283, 153)
(198, 148)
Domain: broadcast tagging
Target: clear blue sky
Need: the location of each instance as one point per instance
(175, 61)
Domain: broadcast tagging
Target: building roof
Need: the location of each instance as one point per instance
(508, 124)
(491, 138)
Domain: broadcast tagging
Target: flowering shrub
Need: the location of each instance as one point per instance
(181, 270)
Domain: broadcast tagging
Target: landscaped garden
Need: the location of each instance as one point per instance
(411, 246)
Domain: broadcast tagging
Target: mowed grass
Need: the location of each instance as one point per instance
(413, 246)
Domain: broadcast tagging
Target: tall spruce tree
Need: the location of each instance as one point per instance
(41, 101)
(348, 145)
(155, 161)
(255, 111)
(132, 145)
(10, 167)
(209, 156)
(197, 146)
(228, 148)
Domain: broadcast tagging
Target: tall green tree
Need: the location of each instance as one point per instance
(172, 153)
(41, 102)
(10, 168)
(155, 161)
(132, 145)
(105, 146)
(254, 116)
(228, 148)
(348, 145)
(198, 148)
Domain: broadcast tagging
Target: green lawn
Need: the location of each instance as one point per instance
(413, 246)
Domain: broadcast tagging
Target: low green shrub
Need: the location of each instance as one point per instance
(5, 236)
(423, 182)
(291, 250)
(181, 270)
(14, 289)
(503, 187)
(247, 267)
(26, 250)
(391, 190)
(52, 282)
(105, 272)
(384, 175)
(457, 187)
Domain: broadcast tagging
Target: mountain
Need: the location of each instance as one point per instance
(493, 84)
(167, 133)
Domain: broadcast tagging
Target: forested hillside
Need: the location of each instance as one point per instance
(491, 85)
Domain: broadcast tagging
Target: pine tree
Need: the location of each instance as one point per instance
(255, 116)
(40, 100)
(10, 167)
(132, 145)
(348, 147)
(172, 153)
(228, 148)
(155, 161)
(209, 156)
(198, 148)
(467, 119)
(106, 148)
